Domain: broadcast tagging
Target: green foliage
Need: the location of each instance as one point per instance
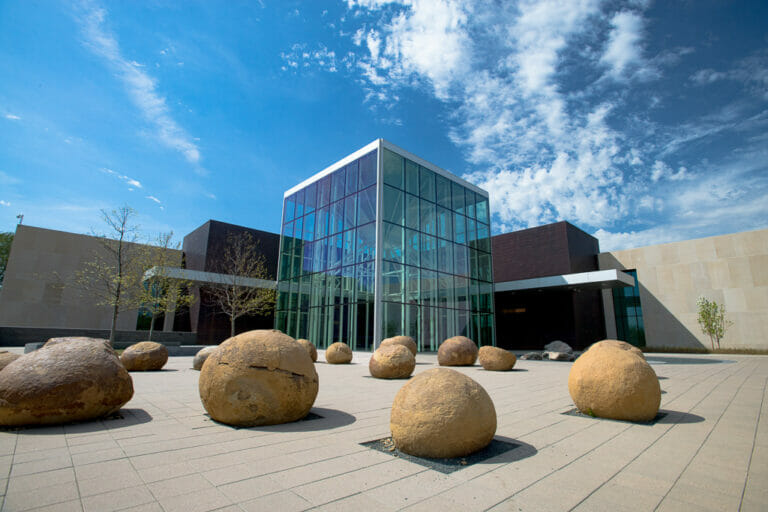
(712, 320)
(6, 239)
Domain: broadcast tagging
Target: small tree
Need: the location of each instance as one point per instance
(240, 261)
(6, 239)
(162, 292)
(113, 276)
(711, 317)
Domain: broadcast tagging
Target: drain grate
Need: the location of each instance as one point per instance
(386, 445)
(576, 412)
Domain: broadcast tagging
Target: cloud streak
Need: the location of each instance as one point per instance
(130, 181)
(142, 88)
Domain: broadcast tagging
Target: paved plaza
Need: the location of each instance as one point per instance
(709, 452)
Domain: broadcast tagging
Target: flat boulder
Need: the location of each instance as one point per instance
(7, 357)
(531, 356)
(610, 380)
(309, 347)
(457, 351)
(442, 413)
(405, 341)
(496, 359)
(260, 377)
(558, 346)
(202, 356)
(144, 356)
(558, 356)
(392, 362)
(338, 353)
(67, 379)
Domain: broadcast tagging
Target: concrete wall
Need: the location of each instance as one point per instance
(37, 290)
(731, 269)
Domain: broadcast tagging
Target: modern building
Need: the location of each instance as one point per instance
(384, 243)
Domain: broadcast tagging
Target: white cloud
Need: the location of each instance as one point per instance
(153, 198)
(707, 76)
(12, 117)
(4, 203)
(624, 43)
(141, 87)
(130, 181)
(301, 57)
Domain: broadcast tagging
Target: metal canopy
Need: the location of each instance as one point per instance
(597, 280)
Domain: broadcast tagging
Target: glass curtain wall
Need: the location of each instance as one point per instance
(328, 253)
(629, 313)
(437, 279)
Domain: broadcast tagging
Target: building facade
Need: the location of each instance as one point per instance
(383, 243)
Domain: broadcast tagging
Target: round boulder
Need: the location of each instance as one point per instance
(496, 359)
(202, 356)
(405, 341)
(338, 353)
(67, 379)
(258, 377)
(144, 356)
(622, 345)
(442, 413)
(7, 357)
(457, 351)
(309, 347)
(392, 362)
(612, 381)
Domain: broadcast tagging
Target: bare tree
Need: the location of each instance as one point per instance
(240, 262)
(113, 276)
(161, 290)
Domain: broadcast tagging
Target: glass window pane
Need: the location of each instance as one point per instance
(324, 192)
(393, 169)
(365, 245)
(392, 280)
(365, 277)
(481, 209)
(350, 209)
(461, 287)
(471, 233)
(459, 229)
(337, 184)
(411, 247)
(458, 197)
(287, 231)
(352, 175)
(428, 251)
(321, 255)
(392, 205)
(289, 208)
(411, 211)
(428, 287)
(412, 284)
(483, 237)
(411, 177)
(299, 198)
(310, 198)
(366, 206)
(348, 284)
(469, 198)
(367, 170)
(336, 221)
(445, 256)
(393, 319)
(461, 259)
(348, 257)
(443, 191)
(334, 251)
(392, 239)
(309, 227)
(427, 184)
(321, 223)
(444, 223)
(308, 260)
(486, 269)
(462, 323)
(474, 270)
(445, 290)
(411, 321)
(428, 217)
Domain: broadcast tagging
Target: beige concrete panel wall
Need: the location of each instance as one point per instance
(37, 290)
(731, 269)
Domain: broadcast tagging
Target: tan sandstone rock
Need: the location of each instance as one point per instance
(7, 357)
(610, 380)
(496, 359)
(258, 377)
(392, 362)
(309, 347)
(338, 353)
(144, 356)
(67, 379)
(405, 341)
(457, 351)
(202, 356)
(623, 345)
(442, 413)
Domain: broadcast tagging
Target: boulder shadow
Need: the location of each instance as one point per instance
(319, 418)
(678, 417)
(512, 370)
(120, 419)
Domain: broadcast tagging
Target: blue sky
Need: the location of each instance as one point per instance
(640, 122)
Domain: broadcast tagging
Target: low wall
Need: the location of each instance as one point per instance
(20, 336)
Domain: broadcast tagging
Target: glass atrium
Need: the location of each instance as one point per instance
(383, 243)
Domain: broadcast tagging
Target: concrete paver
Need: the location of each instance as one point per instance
(710, 452)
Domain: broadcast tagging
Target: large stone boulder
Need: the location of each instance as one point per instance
(558, 356)
(610, 380)
(558, 346)
(531, 356)
(202, 356)
(309, 347)
(67, 379)
(623, 345)
(442, 413)
(258, 378)
(7, 357)
(338, 353)
(496, 359)
(457, 351)
(405, 341)
(392, 362)
(144, 356)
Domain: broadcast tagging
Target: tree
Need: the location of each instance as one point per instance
(240, 262)
(113, 276)
(162, 291)
(6, 239)
(711, 317)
